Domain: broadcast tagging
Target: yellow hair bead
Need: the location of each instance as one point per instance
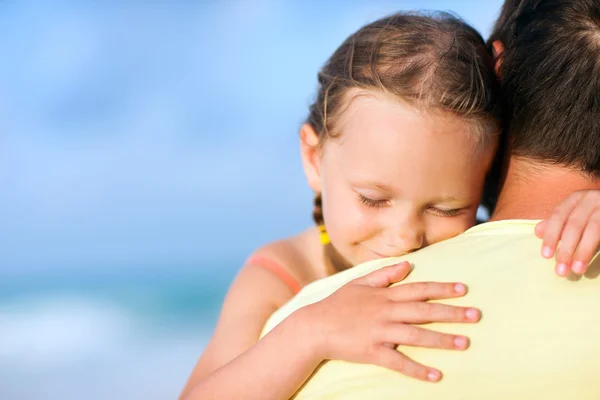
(324, 235)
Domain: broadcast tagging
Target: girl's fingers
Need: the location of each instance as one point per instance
(555, 224)
(540, 228)
(394, 360)
(385, 276)
(423, 312)
(573, 230)
(423, 291)
(588, 244)
(410, 335)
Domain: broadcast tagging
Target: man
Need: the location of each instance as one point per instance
(539, 337)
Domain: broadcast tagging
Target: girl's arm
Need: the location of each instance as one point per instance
(254, 295)
(273, 368)
(361, 322)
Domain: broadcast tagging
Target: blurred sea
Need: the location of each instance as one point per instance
(106, 338)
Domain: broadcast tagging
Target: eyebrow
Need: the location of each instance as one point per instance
(374, 184)
(447, 198)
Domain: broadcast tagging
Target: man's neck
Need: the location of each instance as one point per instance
(532, 190)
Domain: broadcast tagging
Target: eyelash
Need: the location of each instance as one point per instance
(381, 203)
(370, 202)
(446, 213)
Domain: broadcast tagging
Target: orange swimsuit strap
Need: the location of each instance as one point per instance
(277, 269)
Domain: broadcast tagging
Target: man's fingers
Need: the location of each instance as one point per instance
(394, 360)
(423, 291)
(423, 312)
(385, 276)
(410, 335)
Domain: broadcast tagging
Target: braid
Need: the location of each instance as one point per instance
(333, 259)
(318, 210)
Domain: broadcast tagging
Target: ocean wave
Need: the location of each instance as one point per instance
(49, 332)
(75, 346)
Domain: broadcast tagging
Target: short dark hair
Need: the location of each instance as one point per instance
(502, 30)
(550, 76)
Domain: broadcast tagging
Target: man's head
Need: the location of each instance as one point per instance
(549, 65)
(502, 31)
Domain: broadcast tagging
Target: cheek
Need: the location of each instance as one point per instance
(346, 219)
(439, 228)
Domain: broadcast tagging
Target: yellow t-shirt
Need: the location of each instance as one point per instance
(539, 337)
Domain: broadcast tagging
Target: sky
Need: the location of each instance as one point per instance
(162, 135)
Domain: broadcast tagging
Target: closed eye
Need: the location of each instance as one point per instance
(371, 202)
(446, 213)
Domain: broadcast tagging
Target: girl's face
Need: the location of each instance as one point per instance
(395, 179)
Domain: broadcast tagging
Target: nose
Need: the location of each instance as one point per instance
(405, 235)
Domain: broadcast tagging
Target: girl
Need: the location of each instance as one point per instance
(396, 146)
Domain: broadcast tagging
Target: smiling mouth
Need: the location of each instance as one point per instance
(379, 254)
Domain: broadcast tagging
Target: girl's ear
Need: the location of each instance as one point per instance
(311, 156)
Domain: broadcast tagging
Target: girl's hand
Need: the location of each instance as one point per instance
(575, 223)
(365, 320)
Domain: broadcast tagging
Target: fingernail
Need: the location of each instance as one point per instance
(578, 267)
(434, 375)
(546, 252)
(472, 314)
(561, 269)
(459, 288)
(461, 342)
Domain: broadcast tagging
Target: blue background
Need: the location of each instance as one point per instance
(146, 148)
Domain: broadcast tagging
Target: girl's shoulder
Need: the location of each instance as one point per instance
(291, 259)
